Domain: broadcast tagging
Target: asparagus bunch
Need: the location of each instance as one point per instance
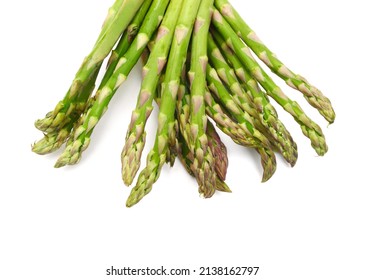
(199, 69)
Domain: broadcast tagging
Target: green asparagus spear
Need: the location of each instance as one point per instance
(244, 119)
(182, 150)
(225, 123)
(166, 119)
(259, 141)
(311, 93)
(219, 151)
(135, 138)
(263, 110)
(239, 135)
(198, 142)
(127, 38)
(53, 140)
(309, 127)
(74, 102)
(186, 158)
(74, 149)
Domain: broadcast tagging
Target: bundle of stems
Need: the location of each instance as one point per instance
(200, 68)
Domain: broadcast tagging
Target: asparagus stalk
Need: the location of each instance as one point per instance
(185, 157)
(309, 127)
(74, 102)
(244, 119)
(259, 141)
(219, 151)
(182, 150)
(128, 36)
(240, 105)
(53, 140)
(263, 111)
(183, 110)
(226, 74)
(74, 149)
(225, 123)
(135, 138)
(72, 106)
(268, 163)
(203, 157)
(221, 186)
(110, 18)
(311, 93)
(173, 150)
(239, 135)
(166, 120)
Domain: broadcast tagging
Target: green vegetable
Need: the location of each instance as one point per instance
(198, 68)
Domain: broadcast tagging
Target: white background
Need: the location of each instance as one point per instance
(71, 223)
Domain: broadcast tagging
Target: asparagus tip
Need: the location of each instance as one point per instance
(222, 186)
(268, 161)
